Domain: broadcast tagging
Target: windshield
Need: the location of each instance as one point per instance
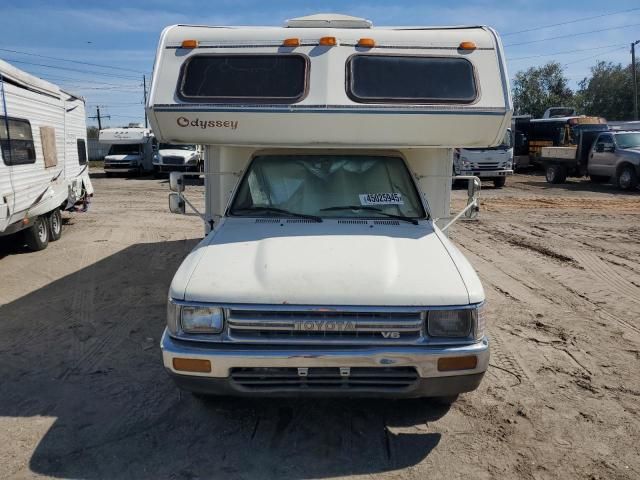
(328, 186)
(124, 149)
(171, 146)
(628, 140)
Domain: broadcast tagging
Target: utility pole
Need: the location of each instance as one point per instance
(144, 85)
(98, 117)
(634, 73)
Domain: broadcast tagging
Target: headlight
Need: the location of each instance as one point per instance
(450, 323)
(465, 162)
(134, 163)
(201, 319)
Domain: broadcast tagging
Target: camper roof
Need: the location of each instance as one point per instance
(26, 80)
(124, 135)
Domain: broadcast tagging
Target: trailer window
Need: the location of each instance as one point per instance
(82, 151)
(410, 79)
(17, 144)
(241, 78)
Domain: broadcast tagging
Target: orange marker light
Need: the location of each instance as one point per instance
(367, 42)
(192, 365)
(189, 44)
(448, 364)
(328, 41)
(291, 42)
(467, 46)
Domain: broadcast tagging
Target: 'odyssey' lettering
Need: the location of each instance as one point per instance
(196, 122)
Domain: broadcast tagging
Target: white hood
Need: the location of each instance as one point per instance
(123, 157)
(186, 154)
(324, 264)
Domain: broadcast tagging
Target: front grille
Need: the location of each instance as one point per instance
(326, 378)
(321, 327)
(172, 160)
(485, 166)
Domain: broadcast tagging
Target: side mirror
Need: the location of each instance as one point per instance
(473, 191)
(611, 149)
(176, 203)
(599, 147)
(176, 182)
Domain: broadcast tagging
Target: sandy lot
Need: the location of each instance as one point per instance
(83, 393)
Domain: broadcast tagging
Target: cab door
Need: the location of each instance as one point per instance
(602, 159)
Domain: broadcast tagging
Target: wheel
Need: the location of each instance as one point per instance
(54, 223)
(599, 178)
(499, 182)
(627, 178)
(556, 174)
(37, 235)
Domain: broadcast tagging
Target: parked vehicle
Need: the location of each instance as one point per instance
(43, 157)
(603, 156)
(177, 158)
(490, 163)
(326, 268)
(131, 150)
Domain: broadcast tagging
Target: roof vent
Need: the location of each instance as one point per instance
(328, 20)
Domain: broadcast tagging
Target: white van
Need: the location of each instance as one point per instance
(490, 163)
(328, 159)
(131, 150)
(43, 157)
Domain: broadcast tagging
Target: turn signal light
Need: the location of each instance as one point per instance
(192, 365)
(328, 41)
(467, 46)
(291, 42)
(367, 42)
(189, 44)
(449, 364)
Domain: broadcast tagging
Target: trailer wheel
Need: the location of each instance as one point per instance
(37, 235)
(499, 182)
(54, 223)
(599, 178)
(556, 174)
(627, 178)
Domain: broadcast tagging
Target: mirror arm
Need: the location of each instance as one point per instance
(474, 203)
(202, 217)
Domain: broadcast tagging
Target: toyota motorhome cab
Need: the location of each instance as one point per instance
(326, 266)
(131, 150)
(177, 158)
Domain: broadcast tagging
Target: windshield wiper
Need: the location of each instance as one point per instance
(370, 209)
(281, 211)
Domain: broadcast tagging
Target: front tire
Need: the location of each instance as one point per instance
(37, 235)
(555, 174)
(499, 182)
(627, 178)
(54, 223)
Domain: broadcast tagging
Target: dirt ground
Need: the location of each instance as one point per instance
(83, 393)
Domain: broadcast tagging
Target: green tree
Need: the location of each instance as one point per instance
(92, 132)
(538, 88)
(607, 93)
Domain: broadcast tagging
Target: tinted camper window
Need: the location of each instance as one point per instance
(241, 78)
(82, 151)
(410, 79)
(17, 144)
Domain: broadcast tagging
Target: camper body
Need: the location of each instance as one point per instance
(492, 163)
(131, 150)
(43, 164)
(177, 158)
(324, 269)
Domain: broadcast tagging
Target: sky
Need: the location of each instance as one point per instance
(121, 36)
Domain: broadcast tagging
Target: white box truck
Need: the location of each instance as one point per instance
(328, 158)
(131, 150)
(489, 163)
(43, 157)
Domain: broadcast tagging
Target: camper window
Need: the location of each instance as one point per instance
(238, 78)
(82, 151)
(328, 186)
(17, 145)
(410, 79)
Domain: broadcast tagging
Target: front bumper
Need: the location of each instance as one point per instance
(487, 173)
(175, 168)
(122, 167)
(225, 357)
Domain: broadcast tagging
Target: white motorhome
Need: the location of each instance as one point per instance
(43, 164)
(131, 150)
(328, 159)
(177, 157)
(489, 163)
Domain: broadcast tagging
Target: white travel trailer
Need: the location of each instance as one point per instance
(131, 150)
(328, 160)
(43, 164)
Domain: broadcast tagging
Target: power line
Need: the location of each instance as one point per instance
(594, 56)
(583, 19)
(72, 61)
(572, 35)
(73, 69)
(566, 52)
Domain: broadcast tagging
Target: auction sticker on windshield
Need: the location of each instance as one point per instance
(381, 199)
